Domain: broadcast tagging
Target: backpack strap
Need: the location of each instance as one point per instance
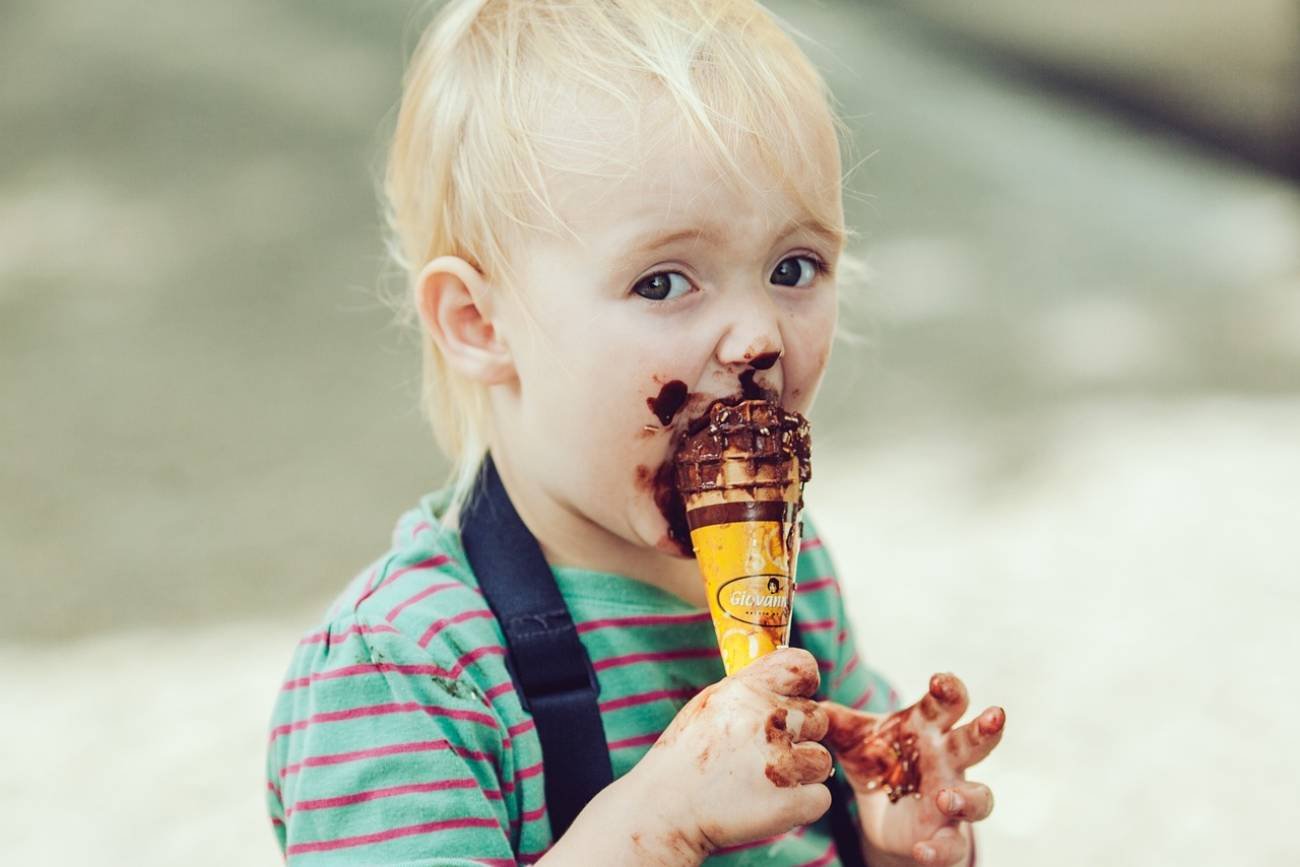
(550, 667)
(554, 676)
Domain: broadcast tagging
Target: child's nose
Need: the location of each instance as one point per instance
(753, 332)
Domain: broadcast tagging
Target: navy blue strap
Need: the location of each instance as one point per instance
(551, 669)
(547, 661)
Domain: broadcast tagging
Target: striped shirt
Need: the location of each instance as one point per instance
(398, 737)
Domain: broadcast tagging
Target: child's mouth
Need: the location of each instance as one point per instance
(673, 397)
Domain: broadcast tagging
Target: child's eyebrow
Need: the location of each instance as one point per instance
(655, 240)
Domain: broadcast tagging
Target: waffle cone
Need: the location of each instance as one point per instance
(742, 505)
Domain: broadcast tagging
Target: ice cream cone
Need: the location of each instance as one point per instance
(741, 477)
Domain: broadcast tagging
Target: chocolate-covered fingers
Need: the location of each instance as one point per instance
(846, 728)
(946, 848)
(788, 671)
(799, 764)
(806, 720)
(965, 801)
(973, 741)
(945, 702)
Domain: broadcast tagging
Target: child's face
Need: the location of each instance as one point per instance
(592, 417)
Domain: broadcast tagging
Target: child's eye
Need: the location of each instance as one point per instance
(789, 273)
(662, 286)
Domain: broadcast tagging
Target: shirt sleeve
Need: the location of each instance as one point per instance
(846, 678)
(379, 755)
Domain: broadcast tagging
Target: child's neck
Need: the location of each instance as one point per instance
(567, 538)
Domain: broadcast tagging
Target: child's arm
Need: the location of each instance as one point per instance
(739, 763)
(378, 755)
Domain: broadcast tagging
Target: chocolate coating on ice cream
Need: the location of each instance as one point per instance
(765, 436)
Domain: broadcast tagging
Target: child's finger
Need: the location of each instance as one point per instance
(946, 848)
(945, 702)
(799, 765)
(965, 801)
(806, 720)
(809, 803)
(812, 761)
(788, 671)
(973, 741)
(846, 728)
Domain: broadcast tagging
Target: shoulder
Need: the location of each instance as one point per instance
(418, 603)
(408, 653)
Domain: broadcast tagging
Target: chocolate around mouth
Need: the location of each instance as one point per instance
(770, 435)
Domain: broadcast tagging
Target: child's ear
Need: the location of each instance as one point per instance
(455, 307)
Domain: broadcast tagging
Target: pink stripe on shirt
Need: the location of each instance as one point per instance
(340, 637)
(428, 563)
(390, 834)
(825, 859)
(439, 625)
(499, 690)
(476, 654)
(375, 794)
(852, 664)
(645, 620)
(364, 669)
(382, 710)
(646, 697)
(387, 750)
(638, 741)
(419, 597)
(657, 656)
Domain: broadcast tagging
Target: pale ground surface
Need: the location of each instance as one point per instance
(1067, 467)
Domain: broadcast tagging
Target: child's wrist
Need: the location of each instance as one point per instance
(879, 858)
(631, 821)
(660, 825)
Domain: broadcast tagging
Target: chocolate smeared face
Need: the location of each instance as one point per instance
(753, 453)
(662, 282)
(746, 443)
(669, 401)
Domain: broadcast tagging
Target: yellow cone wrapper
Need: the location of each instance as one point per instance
(741, 476)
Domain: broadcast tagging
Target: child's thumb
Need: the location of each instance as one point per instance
(846, 728)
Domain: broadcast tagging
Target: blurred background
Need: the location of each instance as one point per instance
(1063, 460)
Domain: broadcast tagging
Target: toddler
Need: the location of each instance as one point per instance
(611, 213)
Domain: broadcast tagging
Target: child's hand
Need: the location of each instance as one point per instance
(890, 760)
(741, 761)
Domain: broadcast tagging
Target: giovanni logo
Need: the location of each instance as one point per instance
(760, 600)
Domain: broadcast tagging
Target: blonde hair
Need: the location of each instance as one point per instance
(464, 166)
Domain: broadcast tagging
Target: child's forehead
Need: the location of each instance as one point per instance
(620, 174)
